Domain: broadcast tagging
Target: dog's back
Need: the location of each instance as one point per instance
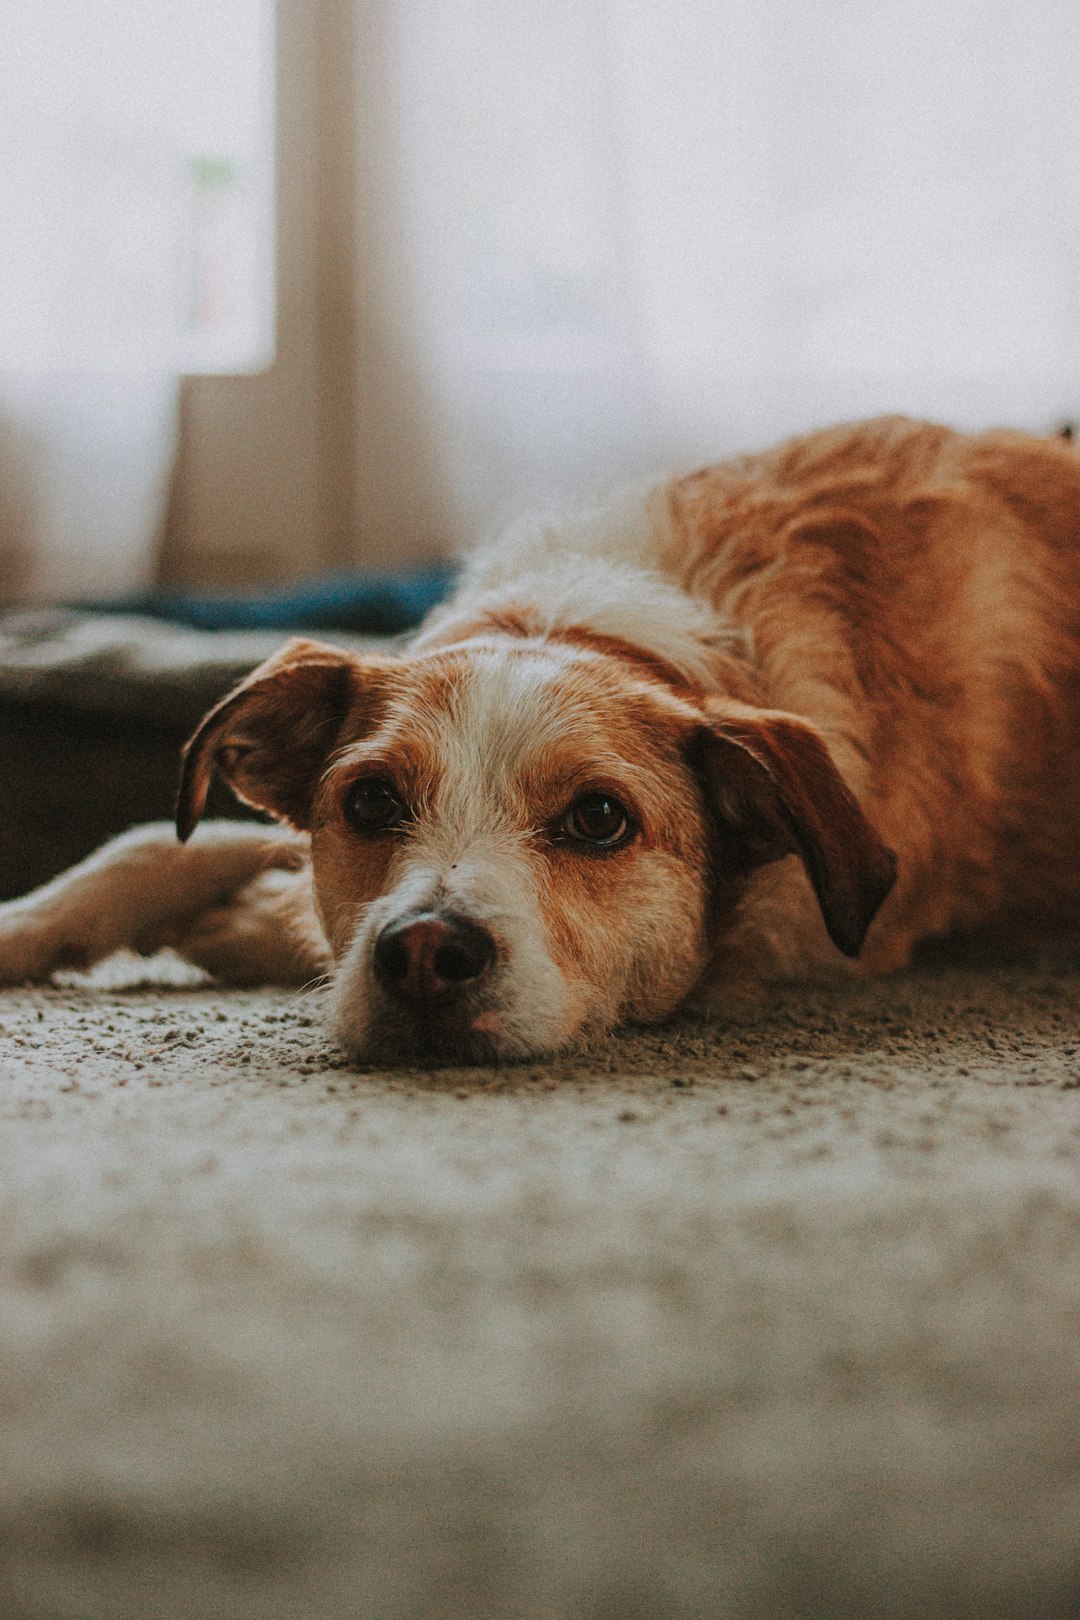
(916, 593)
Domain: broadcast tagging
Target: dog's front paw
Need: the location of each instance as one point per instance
(265, 933)
(31, 947)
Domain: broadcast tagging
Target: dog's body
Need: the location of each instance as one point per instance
(784, 717)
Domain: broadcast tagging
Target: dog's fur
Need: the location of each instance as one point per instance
(835, 686)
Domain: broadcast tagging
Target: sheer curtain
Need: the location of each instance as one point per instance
(134, 190)
(608, 237)
(85, 463)
(594, 239)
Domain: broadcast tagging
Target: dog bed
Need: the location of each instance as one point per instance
(94, 710)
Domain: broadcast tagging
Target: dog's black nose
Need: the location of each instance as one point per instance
(421, 957)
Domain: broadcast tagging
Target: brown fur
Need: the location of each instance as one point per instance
(916, 594)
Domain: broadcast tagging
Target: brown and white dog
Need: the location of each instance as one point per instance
(783, 717)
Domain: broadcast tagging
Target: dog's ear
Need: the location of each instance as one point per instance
(271, 736)
(771, 781)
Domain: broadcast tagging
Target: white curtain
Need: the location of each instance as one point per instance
(85, 464)
(617, 236)
(135, 242)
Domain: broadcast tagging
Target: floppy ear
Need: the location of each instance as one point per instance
(770, 779)
(270, 737)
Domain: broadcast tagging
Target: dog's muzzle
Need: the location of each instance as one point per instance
(432, 958)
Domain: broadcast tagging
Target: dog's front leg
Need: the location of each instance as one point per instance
(142, 891)
(266, 933)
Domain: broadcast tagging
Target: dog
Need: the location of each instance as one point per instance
(782, 718)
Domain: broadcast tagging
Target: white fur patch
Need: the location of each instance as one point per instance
(597, 570)
(503, 716)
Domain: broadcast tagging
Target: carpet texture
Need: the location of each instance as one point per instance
(772, 1319)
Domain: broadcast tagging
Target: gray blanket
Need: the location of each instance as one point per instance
(93, 714)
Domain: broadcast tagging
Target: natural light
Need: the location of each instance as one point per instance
(136, 191)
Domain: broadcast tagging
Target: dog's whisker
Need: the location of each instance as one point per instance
(312, 987)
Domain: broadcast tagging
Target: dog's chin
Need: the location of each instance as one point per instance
(442, 1038)
(431, 1043)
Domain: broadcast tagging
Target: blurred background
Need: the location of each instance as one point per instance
(292, 289)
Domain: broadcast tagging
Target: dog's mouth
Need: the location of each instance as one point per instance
(438, 1036)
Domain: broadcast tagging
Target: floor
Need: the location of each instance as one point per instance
(768, 1319)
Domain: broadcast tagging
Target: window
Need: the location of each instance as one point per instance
(136, 189)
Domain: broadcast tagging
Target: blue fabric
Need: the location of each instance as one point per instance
(367, 604)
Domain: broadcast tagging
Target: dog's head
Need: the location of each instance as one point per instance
(517, 842)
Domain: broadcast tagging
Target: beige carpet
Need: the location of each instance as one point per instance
(775, 1320)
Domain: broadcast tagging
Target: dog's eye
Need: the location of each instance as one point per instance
(374, 805)
(597, 819)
